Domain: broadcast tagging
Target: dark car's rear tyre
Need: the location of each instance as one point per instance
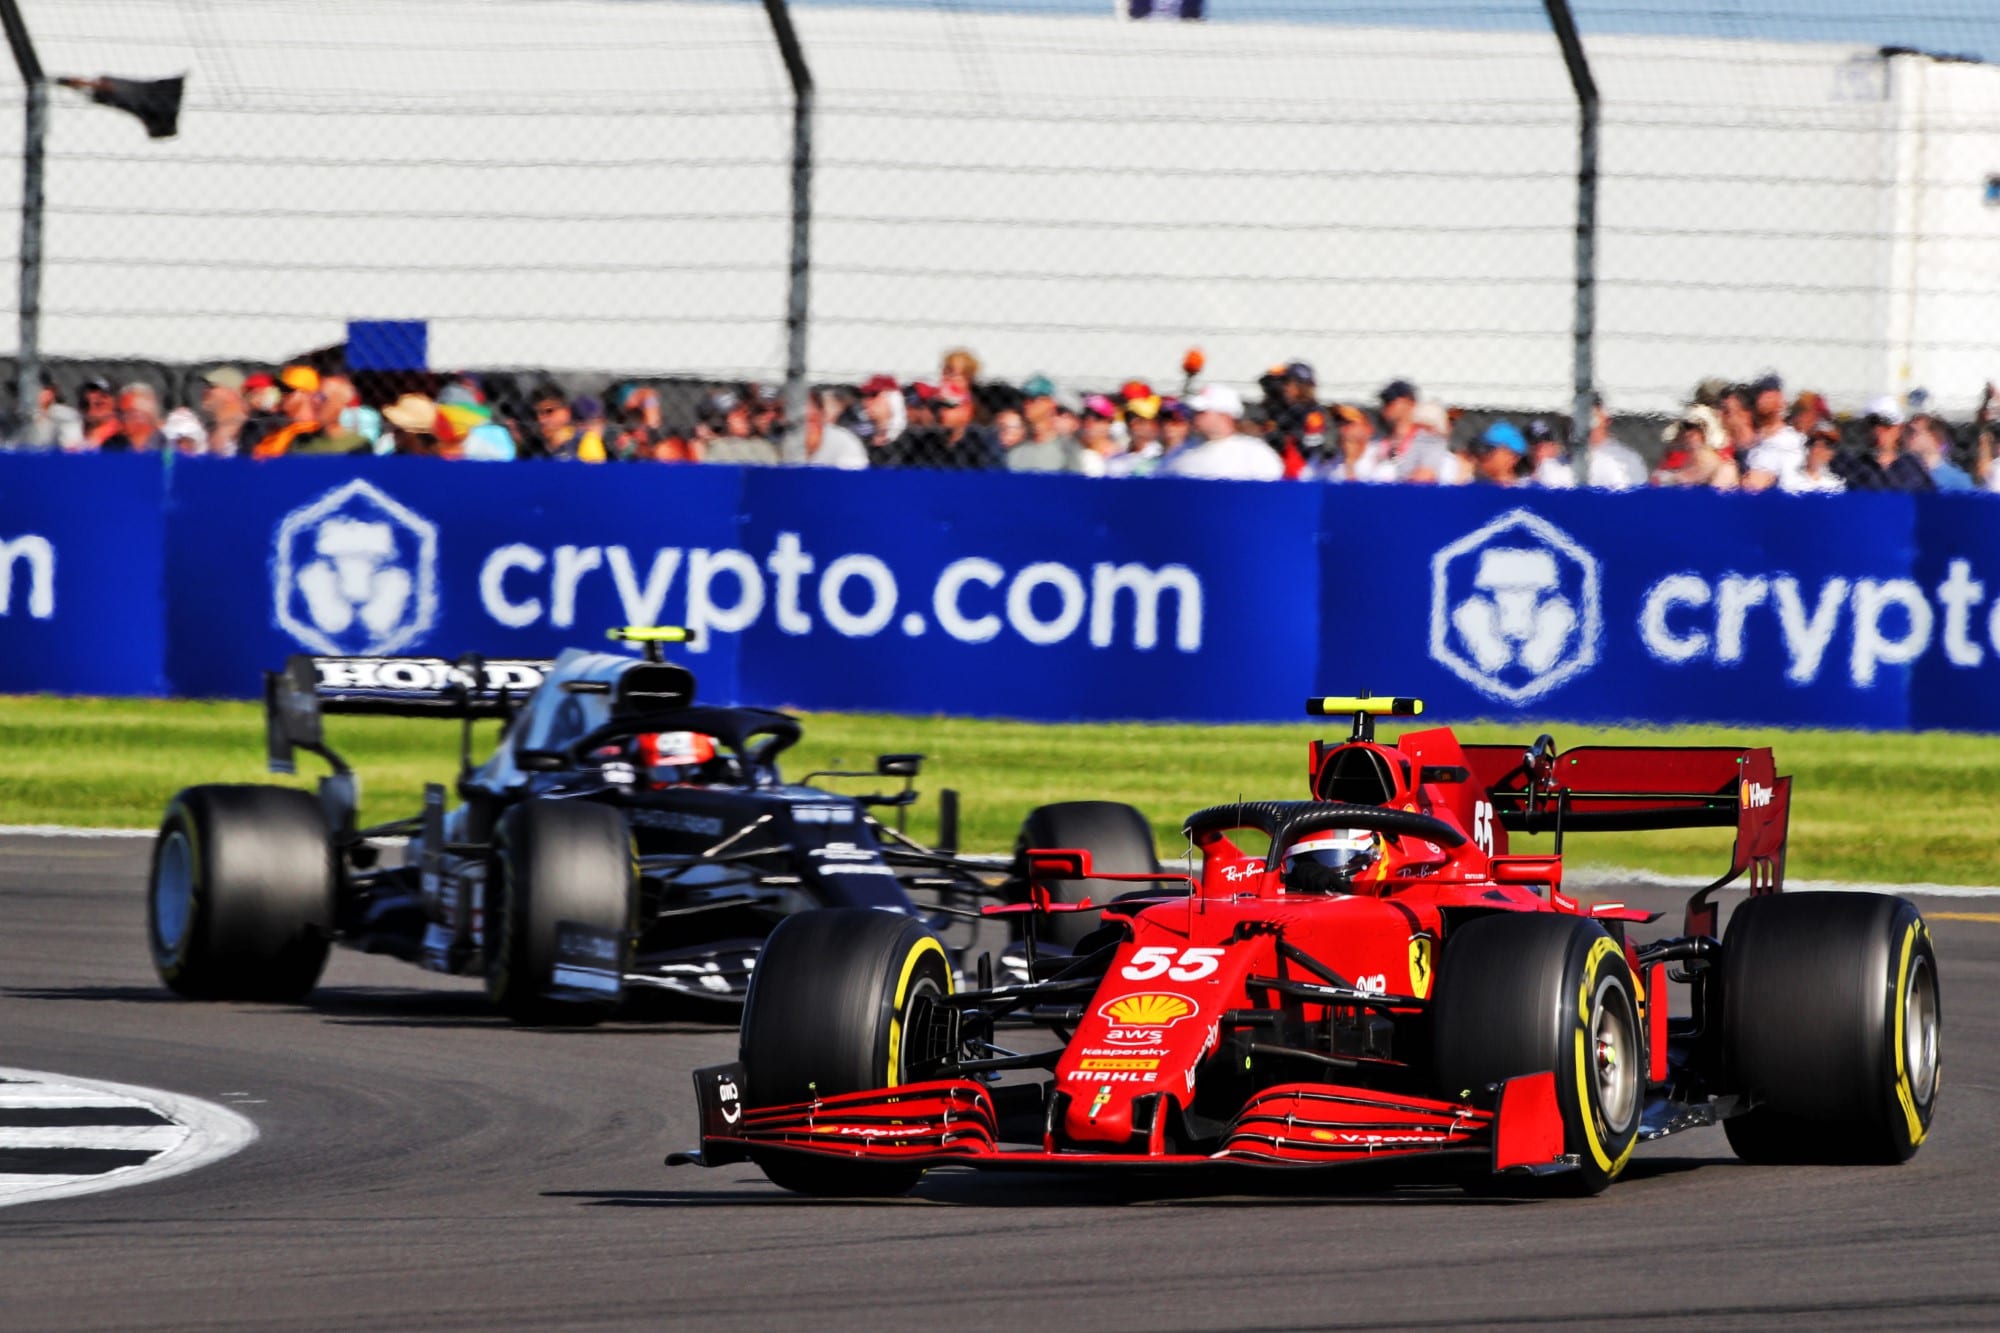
(828, 1012)
(1119, 841)
(1519, 993)
(1831, 1021)
(560, 905)
(240, 902)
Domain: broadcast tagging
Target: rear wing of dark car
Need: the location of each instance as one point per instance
(1598, 788)
(296, 698)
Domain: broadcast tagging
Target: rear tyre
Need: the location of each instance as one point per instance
(559, 919)
(1519, 993)
(240, 902)
(828, 1012)
(1119, 841)
(1831, 1023)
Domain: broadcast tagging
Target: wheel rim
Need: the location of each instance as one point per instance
(919, 986)
(173, 892)
(1614, 1056)
(1920, 1030)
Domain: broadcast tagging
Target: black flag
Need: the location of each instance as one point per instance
(156, 102)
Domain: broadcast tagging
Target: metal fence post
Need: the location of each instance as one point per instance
(1586, 216)
(798, 305)
(27, 380)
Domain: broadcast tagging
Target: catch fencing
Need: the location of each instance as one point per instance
(1043, 597)
(604, 187)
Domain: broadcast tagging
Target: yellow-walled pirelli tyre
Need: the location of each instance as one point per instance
(828, 1012)
(1519, 993)
(240, 903)
(1831, 1021)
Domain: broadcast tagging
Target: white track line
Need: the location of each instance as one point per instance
(201, 1133)
(65, 831)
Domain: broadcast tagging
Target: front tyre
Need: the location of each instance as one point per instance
(240, 900)
(1519, 993)
(1831, 1022)
(559, 924)
(829, 1011)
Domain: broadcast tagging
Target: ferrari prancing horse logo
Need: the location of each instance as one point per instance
(1420, 965)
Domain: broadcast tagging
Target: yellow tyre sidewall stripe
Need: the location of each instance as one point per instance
(1605, 947)
(1905, 1095)
(927, 945)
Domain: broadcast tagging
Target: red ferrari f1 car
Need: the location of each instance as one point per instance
(1374, 977)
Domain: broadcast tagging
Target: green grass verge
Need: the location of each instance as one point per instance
(1867, 806)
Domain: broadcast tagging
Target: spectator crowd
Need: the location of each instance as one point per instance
(1750, 436)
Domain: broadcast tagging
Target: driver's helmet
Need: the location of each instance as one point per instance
(674, 756)
(1331, 860)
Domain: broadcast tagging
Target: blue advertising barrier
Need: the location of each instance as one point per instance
(1022, 596)
(81, 586)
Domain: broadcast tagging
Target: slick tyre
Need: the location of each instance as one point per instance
(1831, 1022)
(1519, 993)
(560, 897)
(1119, 841)
(240, 902)
(828, 1012)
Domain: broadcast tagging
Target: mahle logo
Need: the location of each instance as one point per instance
(1515, 607)
(354, 572)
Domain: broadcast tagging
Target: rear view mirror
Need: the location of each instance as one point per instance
(898, 765)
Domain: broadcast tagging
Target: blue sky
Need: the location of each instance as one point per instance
(1955, 27)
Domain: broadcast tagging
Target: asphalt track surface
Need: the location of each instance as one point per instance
(422, 1163)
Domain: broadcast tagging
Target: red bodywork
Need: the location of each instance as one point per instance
(1172, 1007)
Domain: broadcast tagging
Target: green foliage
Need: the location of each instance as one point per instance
(1867, 806)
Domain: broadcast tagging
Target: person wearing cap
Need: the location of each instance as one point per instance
(556, 424)
(1097, 438)
(1354, 454)
(1415, 453)
(1499, 454)
(1883, 466)
(1608, 464)
(882, 413)
(1816, 476)
(1224, 452)
(732, 435)
(954, 442)
(1142, 434)
(315, 426)
(1694, 453)
(98, 407)
(1299, 425)
(1779, 448)
(223, 410)
(1548, 458)
(55, 425)
(1050, 443)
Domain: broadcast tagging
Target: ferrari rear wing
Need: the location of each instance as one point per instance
(1599, 788)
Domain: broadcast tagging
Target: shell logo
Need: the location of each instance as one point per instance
(1153, 1009)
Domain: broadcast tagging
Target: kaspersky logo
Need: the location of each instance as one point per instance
(1142, 1019)
(1515, 607)
(354, 572)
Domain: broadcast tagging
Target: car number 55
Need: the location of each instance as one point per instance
(1178, 964)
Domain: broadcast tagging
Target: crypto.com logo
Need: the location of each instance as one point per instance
(355, 573)
(1514, 607)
